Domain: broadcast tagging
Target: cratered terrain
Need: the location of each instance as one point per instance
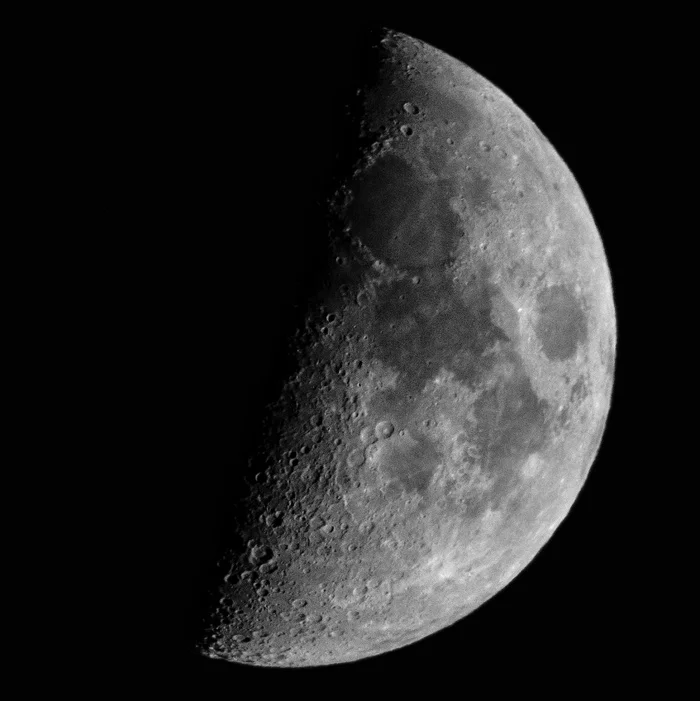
(449, 388)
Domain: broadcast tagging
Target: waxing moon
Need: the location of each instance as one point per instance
(449, 386)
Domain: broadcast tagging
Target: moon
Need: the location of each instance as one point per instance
(449, 385)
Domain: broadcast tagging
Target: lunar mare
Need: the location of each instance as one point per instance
(451, 382)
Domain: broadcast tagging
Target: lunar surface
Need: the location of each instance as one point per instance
(450, 383)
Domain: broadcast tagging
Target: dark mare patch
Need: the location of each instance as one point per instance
(403, 219)
(561, 325)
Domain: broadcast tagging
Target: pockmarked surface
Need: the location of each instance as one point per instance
(451, 386)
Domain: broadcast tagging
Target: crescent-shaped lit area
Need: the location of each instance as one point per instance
(450, 386)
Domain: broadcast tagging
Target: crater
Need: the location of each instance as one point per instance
(411, 462)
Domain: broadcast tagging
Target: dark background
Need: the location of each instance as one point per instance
(233, 125)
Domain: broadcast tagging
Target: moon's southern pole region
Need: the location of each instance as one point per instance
(451, 381)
